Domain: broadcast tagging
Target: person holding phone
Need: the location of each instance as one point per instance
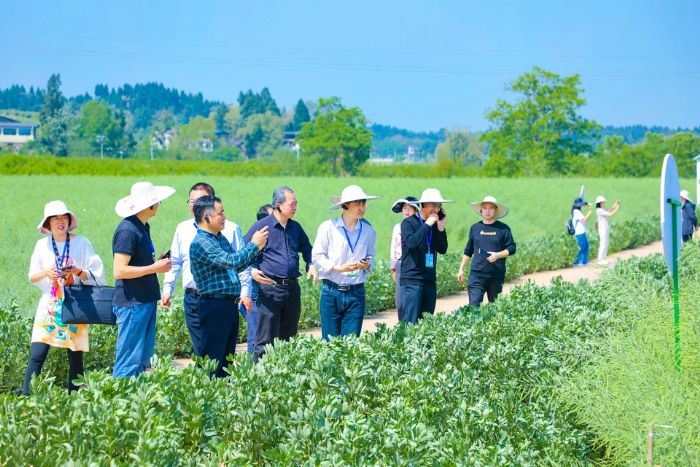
(343, 255)
(180, 253)
(423, 236)
(407, 207)
(603, 225)
(137, 291)
(489, 243)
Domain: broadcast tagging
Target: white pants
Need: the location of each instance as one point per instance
(604, 235)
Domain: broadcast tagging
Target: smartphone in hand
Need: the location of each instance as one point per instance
(441, 214)
(165, 255)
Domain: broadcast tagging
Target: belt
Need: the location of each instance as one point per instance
(222, 296)
(342, 288)
(283, 281)
(191, 291)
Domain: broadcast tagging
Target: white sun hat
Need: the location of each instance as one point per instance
(599, 199)
(684, 194)
(432, 195)
(399, 203)
(143, 195)
(350, 193)
(56, 208)
(501, 209)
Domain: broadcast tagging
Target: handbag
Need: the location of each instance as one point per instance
(88, 304)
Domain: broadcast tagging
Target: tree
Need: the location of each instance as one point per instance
(542, 132)
(337, 136)
(301, 116)
(96, 119)
(54, 123)
(252, 103)
(220, 120)
(461, 147)
(261, 134)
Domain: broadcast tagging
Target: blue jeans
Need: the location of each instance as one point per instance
(251, 320)
(582, 256)
(417, 300)
(341, 312)
(136, 338)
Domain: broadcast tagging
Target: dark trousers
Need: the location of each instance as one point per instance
(397, 293)
(687, 237)
(218, 321)
(279, 308)
(191, 305)
(342, 312)
(36, 361)
(479, 284)
(417, 299)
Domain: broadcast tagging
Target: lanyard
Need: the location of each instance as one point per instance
(429, 236)
(61, 259)
(357, 240)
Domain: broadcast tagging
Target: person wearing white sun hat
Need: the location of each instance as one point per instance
(603, 225)
(60, 258)
(689, 221)
(489, 243)
(343, 254)
(137, 290)
(423, 236)
(408, 207)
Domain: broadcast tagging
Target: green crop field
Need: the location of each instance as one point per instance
(538, 208)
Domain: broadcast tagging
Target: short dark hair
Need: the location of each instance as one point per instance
(204, 205)
(205, 187)
(279, 196)
(598, 205)
(262, 212)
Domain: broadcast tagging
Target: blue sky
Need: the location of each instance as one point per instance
(413, 64)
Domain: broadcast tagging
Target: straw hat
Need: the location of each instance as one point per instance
(397, 207)
(143, 195)
(599, 199)
(684, 194)
(56, 208)
(350, 193)
(432, 195)
(501, 209)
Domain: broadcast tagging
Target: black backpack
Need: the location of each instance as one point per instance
(570, 227)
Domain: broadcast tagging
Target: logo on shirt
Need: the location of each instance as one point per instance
(487, 233)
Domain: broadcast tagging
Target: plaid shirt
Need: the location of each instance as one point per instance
(214, 263)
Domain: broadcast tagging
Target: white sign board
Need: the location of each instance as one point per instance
(670, 189)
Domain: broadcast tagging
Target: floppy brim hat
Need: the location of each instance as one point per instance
(684, 194)
(56, 208)
(501, 209)
(433, 195)
(143, 195)
(600, 199)
(397, 207)
(350, 193)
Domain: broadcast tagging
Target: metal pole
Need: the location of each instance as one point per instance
(675, 204)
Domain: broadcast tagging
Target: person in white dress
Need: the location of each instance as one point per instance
(603, 225)
(407, 207)
(59, 259)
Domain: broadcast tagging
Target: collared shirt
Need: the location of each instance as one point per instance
(213, 263)
(180, 256)
(395, 248)
(280, 256)
(331, 248)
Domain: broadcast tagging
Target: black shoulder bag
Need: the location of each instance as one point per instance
(88, 304)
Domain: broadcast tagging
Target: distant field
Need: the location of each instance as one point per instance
(538, 207)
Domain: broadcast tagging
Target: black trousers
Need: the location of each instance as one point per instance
(191, 305)
(417, 299)
(279, 309)
(36, 361)
(218, 323)
(480, 284)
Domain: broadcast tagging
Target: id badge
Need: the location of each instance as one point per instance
(429, 260)
(352, 274)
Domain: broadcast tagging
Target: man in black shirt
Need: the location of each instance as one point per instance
(277, 271)
(137, 291)
(490, 242)
(422, 237)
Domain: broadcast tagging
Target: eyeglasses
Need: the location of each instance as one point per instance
(190, 202)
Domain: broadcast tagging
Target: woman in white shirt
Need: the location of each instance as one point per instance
(580, 229)
(604, 226)
(59, 259)
(408, 207)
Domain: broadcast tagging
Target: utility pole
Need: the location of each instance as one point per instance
(101, 139)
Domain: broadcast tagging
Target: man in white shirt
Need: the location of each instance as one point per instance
(343, 254)
(180, 256)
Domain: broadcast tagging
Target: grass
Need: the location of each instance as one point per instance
(538, 208)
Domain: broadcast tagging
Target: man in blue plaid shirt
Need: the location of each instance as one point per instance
(215, 268)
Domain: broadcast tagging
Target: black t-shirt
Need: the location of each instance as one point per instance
(489, 237)
(133, 238)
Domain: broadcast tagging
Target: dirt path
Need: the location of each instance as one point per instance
(453, 302)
